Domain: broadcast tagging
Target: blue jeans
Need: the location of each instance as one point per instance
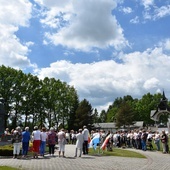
(25, 146)
(42, 147)
(157, 143)
(143, 142)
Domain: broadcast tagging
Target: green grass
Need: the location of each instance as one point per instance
(7, 168)
(116, 152)
(154, 145)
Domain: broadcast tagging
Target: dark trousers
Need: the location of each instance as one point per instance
(85, 147)
(25, 146)
(51, 149)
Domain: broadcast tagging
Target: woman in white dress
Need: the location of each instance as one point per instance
(79, 142)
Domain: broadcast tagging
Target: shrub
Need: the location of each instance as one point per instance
(6, 150)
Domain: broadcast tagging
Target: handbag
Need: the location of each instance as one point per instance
(64, 141)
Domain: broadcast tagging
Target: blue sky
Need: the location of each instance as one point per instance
(104, 48)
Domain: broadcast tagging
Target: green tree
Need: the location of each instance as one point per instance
(125, 114)
(17, 97)
(30, 101)
(8, 78)
(145, 105)
(84, 115)
(95, 116)
(73, 106)
(102, 116)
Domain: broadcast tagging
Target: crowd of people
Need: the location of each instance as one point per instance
(82, 139)
(138, 139)
(40, 138)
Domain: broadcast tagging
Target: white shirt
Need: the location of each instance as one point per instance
(36, 135)
(79, 141)
(85, 134)
(149, 136)
(44, 136)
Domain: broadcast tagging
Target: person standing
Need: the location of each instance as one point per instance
(25, 142)
(85, 142)
(44, 138)
(164, 140)
(79, 142)
(36, 135)
(157, 140)
(51, 141)
(6, 132)
(17, 137)
(67, 137)
(61, 142)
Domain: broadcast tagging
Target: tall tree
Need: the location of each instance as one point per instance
(73, 105)
(102, 116)
(84, 115)
(7, 78)
(145, 105)
(125, 114)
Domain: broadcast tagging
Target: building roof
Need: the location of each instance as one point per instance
(138, 124)
(161, 108)
(111, 125)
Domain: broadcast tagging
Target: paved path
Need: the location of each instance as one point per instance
(155, 161)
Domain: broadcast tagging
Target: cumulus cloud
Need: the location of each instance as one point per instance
(150, 83)
(86, 24)
(167, 44)
(14, 14)
(101, 82)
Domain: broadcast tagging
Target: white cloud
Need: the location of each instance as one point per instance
(127, 10)
(14, 14)
(87, 24)
(151, 83)
(147, 3)
(167, 44)
(161, 12)
(51, 3)
(135, 20)
(155, 12)
(101, 82)
(55, 12)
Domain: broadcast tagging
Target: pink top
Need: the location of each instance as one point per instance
(61, 136)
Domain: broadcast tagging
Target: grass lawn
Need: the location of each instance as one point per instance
(7, 168)
(116, 152)
(123, 152)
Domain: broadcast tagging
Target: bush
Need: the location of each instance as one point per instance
(6, 150)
